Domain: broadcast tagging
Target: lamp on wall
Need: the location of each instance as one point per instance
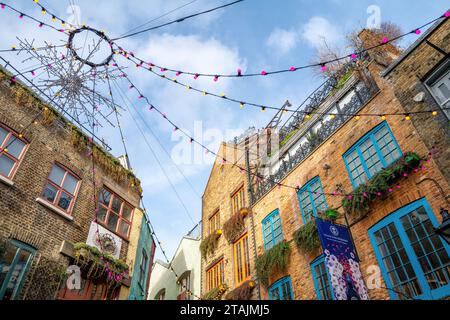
(444, 229)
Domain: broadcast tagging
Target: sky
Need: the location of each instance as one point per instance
(253, 35)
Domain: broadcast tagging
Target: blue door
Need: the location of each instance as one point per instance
(15, 261)
(414, 261)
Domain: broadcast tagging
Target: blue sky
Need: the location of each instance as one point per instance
(254, 35)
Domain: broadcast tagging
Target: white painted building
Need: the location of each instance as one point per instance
(186, 262)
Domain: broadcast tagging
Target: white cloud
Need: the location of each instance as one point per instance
(318, 31)
(282, 41)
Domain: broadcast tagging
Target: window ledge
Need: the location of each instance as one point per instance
(55, 209)
(6, 181)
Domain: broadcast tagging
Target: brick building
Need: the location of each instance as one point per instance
(47, 208)
(395, 182)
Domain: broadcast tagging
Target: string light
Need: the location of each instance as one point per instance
(323, 64)
(382, 117)
(407, 117)
(434, 113)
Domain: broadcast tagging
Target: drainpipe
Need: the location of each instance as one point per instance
(251, 201)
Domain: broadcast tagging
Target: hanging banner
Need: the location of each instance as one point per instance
(104, 240)
(341, 261)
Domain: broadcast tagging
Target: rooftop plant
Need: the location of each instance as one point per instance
(358, 202)
(273, 260)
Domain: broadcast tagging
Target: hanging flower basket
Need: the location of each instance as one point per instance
(244, 212)
(243, 292)
(216, 293)
(209, 244)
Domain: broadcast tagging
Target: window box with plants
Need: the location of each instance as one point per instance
(235, 226)
(99, 265)
(274, 260)
(307, 237)
(216, 293)
(209, 244)
(243, 292)
(381, 185)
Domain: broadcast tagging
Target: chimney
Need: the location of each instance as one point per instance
(124, 161)
(385, 54)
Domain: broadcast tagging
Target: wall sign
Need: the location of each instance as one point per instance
(104, 240)
(341, 261)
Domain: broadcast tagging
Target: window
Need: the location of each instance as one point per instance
(161, 295)
(439, 85)
(184, 286)
(321, 279)
(272, 229)
(281, 290)
(414, 261)
(12, 150)
(238, 200)
(373, 152)
(143, 269)
(241, 260)
(61, 188)
(214, 222)
(114, 213)
(215, 276)
(311, 198)
(14, 264)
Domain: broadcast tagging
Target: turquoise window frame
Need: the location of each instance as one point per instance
(357, 146)
(270, 218)
(307, 188)
(278, 285)
(320, 259)
(395, 217)
(19, 247)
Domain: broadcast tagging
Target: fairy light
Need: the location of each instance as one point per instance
(407, 117)
(434, 113)
(382, 117)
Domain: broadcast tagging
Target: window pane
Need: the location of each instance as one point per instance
(15, 147)
(57, 175)
(116, 204)
(64, 201)
(123, 229)
(105, 197)
(126, 212)
(70, 184)
(112, 221)
(3, 134)
(6, 165)
(19, 269)
(50, 192)
(101, 215)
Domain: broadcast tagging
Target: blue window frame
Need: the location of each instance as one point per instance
(414, 261)
(14, 265)
(312, 199)
(272, 229)
(281, 289)
(375, 150)
(321, 278)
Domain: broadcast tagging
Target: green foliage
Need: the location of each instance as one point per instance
(307, 237)
(331, 214)
(288, 136)
(209, 245)
(313, 139)
(358, 202)
(216, 293)
(273, 260)
(98, 262)
(233, 227)
(243, 292)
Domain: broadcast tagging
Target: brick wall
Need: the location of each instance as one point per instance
(407, 80)
(429, 183)
(224, 180)
(21, 217)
